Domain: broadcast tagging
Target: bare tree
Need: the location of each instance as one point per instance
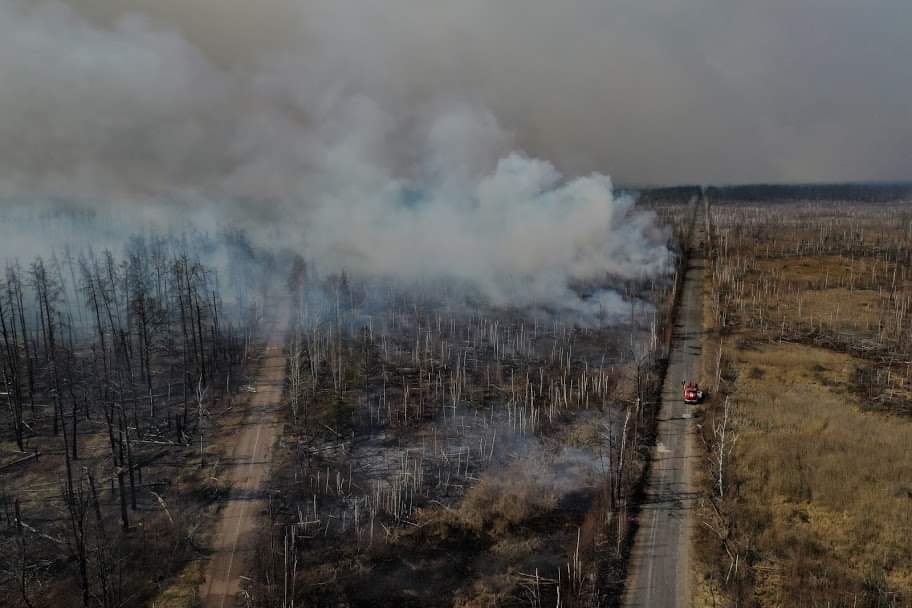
(723, 443)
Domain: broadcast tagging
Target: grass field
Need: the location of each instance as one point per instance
(819, 506)
(825, 488)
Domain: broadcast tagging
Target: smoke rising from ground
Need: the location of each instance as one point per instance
(520, 236)
(320, 144)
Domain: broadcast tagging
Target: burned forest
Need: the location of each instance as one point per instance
(115, 367)
(455, 305)
(487, 453)
(438, 453)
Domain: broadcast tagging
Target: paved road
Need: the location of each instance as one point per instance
(660, 569)
(248, 469)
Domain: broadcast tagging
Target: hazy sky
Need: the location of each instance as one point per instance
(243, 97)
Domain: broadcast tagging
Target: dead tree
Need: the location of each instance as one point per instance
(10, 374)
(723, 443)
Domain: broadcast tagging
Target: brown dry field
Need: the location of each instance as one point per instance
(819, 511)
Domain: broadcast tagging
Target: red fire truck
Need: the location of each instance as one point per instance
(691, 392)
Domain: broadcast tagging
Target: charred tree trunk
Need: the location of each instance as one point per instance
(11, 377)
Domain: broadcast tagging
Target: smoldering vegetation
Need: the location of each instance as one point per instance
(414, 407)
(307, 151)
(444, 454)
(474, 337)
(474, 334)
(412, 301)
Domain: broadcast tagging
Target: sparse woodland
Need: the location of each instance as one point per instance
(807, 471)
(850, 255)
(437, 451)
(114, 370)
(443, 453)
(479, 454)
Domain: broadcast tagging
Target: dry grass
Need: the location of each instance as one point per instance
(814, 290)
(822, 506)
(811, 271)
(824, 486)
(585, 433)
(183, 592)
(501, 502)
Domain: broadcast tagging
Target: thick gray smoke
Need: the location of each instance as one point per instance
(654, 91)
(321, 145)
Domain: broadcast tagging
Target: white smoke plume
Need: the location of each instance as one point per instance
(519, 235)
(310, 150)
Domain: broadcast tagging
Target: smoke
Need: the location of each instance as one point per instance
(341, 145)
(519, 235)
(655, 91)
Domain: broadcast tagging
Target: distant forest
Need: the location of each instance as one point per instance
(865, 192)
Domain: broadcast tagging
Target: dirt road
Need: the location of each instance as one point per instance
(660, 568)
(247, 469)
